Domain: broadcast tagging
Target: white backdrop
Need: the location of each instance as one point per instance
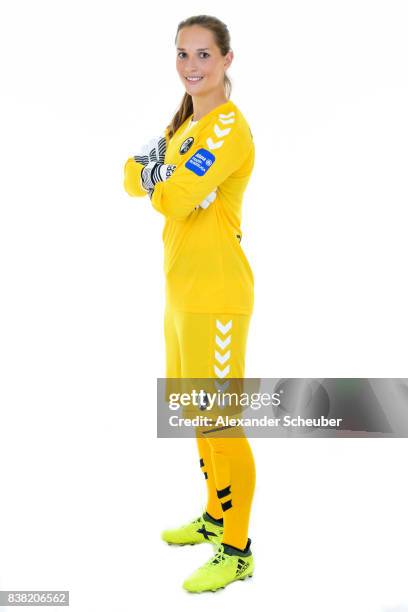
(87, 486)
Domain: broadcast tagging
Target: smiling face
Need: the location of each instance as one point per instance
(198, 55)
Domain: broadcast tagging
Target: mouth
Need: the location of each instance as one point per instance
(195, 79)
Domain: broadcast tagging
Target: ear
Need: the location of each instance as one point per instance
(228, 59)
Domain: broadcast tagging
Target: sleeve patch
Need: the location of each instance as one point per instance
(200, 162)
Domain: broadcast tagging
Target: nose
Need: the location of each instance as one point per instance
(191, 68)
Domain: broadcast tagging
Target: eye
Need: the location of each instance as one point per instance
(182, 53)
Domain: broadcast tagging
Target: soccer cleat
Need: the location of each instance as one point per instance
(226, 566)
(201, 529)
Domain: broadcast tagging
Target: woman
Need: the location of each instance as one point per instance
(196, 175)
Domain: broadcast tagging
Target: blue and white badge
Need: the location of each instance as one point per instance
(200, 162)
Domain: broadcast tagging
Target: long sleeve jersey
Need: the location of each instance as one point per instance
(205, 267)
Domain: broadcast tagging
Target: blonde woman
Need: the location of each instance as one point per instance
(195, 175)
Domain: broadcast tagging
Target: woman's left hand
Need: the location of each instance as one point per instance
(208, 200)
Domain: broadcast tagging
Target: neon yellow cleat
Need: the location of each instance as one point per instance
(228, 564)
(201, 529)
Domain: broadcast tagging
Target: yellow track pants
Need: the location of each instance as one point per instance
(206, 345)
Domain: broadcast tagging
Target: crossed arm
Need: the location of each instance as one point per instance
(147, 168)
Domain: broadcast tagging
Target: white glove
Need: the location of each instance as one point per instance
(208, 200)
(154, 150)
(155, 172)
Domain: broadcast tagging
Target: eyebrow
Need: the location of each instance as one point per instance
(182, 49)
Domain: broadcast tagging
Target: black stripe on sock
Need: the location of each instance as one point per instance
(224, 492)
(226, 505)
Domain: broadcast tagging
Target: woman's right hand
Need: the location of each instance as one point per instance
(155, 172)
(154, 150)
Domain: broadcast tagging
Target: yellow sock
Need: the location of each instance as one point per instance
(213, 503)
(235, 475)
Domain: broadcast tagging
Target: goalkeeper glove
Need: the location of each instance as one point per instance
(155, 172)
(151, 156)
(208, 200)
(154, 150)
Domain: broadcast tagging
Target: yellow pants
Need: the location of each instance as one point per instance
(203, 345)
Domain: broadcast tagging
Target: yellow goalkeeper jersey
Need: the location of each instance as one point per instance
(205, 267)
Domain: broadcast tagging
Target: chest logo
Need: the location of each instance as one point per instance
(186, 145)
(200, 162)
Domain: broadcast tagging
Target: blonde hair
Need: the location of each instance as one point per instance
(223, 41)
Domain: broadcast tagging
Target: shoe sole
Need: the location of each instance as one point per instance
(221, 587)
(214, 543)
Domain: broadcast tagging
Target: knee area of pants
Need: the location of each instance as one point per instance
(224, 447)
